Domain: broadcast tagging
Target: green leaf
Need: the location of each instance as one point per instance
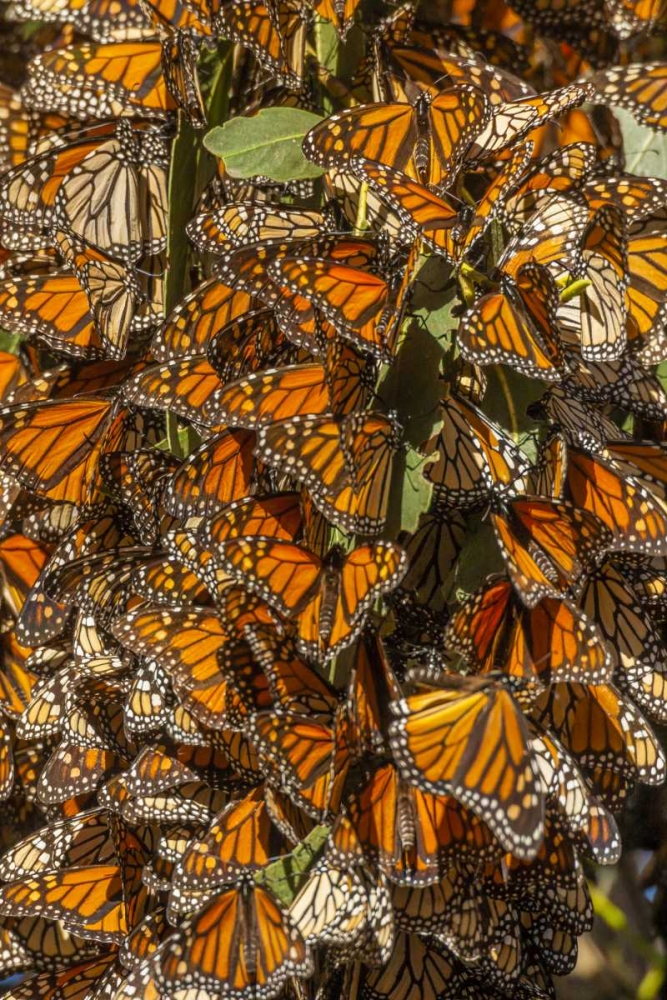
(268, 143)
(285, 877)
(10, 342)
(508, 396)
(479, 556)
(412, 385)
(645, 149)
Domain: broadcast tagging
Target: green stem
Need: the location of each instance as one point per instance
(327, 49)
(361, 220)
(511, 409)
(576, 288)
(190, 170)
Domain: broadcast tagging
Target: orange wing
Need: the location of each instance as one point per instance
(385, 133)
(241, 938)
(241, 838)
(411, 834)
(283, 574)
(603, 729)
(201, 316)
(266, 397)
(501, 327)
(295, 686)
(53, 309)
(183, 387)
(275, 516)
(639, 87)
(371, 441)
(311, 756)
(636, 520)
(88, 900)
(215, 474)
(101, 81)
(548, 545)
(312, 449)
(48, 445)
(469, 739)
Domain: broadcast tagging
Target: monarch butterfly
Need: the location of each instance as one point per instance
(242, 838)
(28, 191)
(274, 516)
(309, 757)
(346, 464)
(33, 944)
(548, 643)
(47, 708)
(334, 907)
(213, 475)
(586, 818)
(603, 729)
(578, 423)
(453, 910)
(295, 686)
(275, 34)
(51, 447)
(13, 129)
(362, 306)
(432, 551)
(98, 18)
(371, 688)
(551, 235)
(339, 386)
(547, 545)
(427, 138)
(69, 843)
(204, 313)
(165, 581)
(639, 87)
(516, 326)
(89, 900)
(568, 167)
(647, 288)
(99, 583)
(265, 397)
(113, 293)
(416, 965)
(511, 121)
(632, 639)
(182, 386)
(400, 68)
(339, 12)
(100, 81)
(250, 344)
(130, 168)
(473, 457)
(71, 983)
(144, 939)
(186, 642)
(413, 835)
(240, 937)
(444, 229)
(136, 479)
(468, 738)
(21, 561)
(603, 305)
(328, 598)
(53, 309)
(632, 515)
(17, 680)
(244, 223)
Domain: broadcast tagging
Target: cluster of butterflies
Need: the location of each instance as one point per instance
(280, 747)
